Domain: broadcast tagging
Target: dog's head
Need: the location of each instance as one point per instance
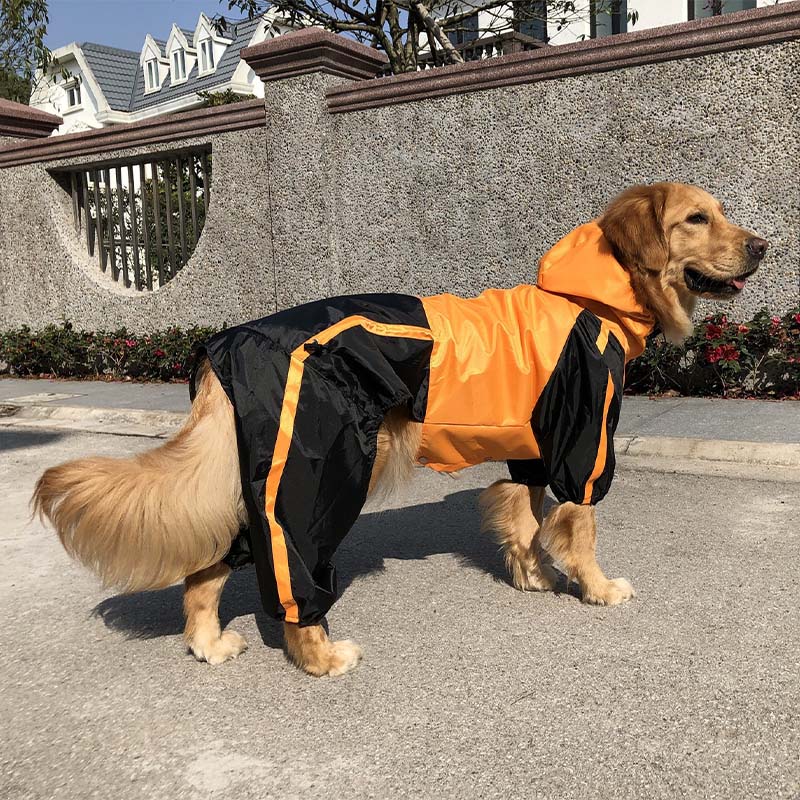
(678, 245)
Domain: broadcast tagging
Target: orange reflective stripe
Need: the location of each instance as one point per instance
(602, 338)
(602, 449)
(280, 556)
(291, 396)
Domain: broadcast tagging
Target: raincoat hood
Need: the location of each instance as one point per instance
(582, 266)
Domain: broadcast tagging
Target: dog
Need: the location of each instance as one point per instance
(298, 417)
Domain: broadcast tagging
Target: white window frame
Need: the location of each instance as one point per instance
(152, 75)
(72, 92)
(207, 62)
(178, 62)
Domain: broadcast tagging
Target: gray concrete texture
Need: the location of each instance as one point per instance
(449, 194)
(465, 192)
(468, 688)
(47, 276)
(691, 417)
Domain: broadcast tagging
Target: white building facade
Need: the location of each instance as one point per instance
(540, 20)
(92, 85)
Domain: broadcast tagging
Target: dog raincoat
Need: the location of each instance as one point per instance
(532, 376)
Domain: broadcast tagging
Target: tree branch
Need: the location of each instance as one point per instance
(433, 28)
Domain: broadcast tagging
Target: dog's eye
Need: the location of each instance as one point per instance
(698, 219)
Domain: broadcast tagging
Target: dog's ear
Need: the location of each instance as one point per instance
(633, 225)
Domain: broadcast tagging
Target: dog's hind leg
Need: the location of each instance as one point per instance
(311, 650)
(202, 634)
(513, 512)
(568, 534)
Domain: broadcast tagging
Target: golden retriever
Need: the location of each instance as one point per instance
(172, 513)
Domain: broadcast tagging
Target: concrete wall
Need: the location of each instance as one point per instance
(46, 274)
(465, 192)
(454, 193)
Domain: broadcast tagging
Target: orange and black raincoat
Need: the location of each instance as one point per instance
(532, 376)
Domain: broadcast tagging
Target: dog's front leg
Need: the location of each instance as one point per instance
(568, 534)
(513, 512)
(310, 649)
(202, 634)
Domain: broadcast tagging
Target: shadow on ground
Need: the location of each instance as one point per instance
(17, 439)
(416, 532)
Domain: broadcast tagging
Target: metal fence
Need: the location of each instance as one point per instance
(142, 216)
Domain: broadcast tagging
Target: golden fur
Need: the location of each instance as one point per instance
(151, 520)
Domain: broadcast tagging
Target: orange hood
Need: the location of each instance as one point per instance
(582, 266)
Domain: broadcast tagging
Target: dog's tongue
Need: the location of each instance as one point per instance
(739, 283)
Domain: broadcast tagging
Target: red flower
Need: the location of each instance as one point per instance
(712, 356)
(130, 342)
(743, 329)
(797, 318)
(713, 331)
(158, 352)
(729, 353)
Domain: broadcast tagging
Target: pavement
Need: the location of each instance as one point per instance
(737, 431)
(468, 688)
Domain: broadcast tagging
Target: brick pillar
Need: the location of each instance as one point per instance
(297, 70)
(18, 121)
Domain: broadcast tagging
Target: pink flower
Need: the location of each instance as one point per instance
(743, 329)
(130, 342)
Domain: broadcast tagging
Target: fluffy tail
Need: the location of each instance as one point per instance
(148, 521)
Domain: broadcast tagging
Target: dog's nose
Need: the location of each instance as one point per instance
(757, 247)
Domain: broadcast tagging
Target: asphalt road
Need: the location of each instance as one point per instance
(468, 689)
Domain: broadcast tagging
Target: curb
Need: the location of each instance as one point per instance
(119, 422)
(162, 424)
(777, 454)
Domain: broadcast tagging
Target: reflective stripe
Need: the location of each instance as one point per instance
(602, 448)
(602, 338)
(291, 395)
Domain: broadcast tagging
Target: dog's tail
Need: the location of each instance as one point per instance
(148, 521)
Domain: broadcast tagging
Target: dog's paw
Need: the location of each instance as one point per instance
(329, 658)
(345, 656)
(217, 651)
(539, 578)
(610, 593)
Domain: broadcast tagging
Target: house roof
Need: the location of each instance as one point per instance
(121, 77)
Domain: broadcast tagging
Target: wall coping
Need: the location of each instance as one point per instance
(157, 130)
(743, 29)
(313, 50)
(17, 119)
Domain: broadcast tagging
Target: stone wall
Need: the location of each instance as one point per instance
(453, 180)
(46, 274)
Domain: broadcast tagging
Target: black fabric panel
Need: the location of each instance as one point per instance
(348, 385)
(568, 417)
(529, 472)
(614, 358)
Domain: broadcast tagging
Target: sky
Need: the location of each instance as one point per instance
(123, 23)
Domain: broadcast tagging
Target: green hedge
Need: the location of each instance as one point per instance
(759, 358)
(63, 352)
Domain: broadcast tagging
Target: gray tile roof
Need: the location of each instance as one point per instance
(122, 79)
(115, 71)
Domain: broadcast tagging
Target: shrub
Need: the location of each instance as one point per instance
(760, 358)
(63, 352)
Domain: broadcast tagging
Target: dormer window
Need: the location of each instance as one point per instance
(178, 66)
(206, 55)
(151, 74)
(74, 96)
